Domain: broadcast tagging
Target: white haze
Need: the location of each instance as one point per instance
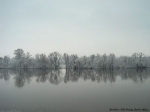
(82, 27)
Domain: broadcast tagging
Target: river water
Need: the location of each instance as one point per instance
(34, 90)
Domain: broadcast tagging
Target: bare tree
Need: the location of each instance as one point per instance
(66, 59)
(27, 60)
(42, 60)
(6, 60)
(111, 60)
(19, 55)
(1, 59)
(138, 59)
(55, 58)
(125, 59)
(104, 60)
(92, 60)
(1, 62)
(73, 61)
(84, 61)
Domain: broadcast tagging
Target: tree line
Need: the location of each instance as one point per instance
(56, 61)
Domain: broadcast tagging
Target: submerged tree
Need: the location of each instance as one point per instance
(54, 59)
(111, 58)
(1, 59)
(42, 60)
(104, 60)
(84, 61)
(66, 59)
(27, 60)
(92, 60)
(6, 60)
(138, 59)
(19, 55)
(73, 61)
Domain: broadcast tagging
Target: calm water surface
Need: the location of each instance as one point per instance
(36, 90)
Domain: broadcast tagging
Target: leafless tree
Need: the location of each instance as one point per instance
(139, 58)
(55, 58)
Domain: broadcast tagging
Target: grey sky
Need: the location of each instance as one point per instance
(82, 27)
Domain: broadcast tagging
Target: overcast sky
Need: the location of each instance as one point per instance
(82, 27)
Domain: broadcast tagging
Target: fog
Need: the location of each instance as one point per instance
(76, 27)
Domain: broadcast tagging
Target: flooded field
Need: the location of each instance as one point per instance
(83, 90)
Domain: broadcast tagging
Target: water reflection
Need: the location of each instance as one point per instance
(4, 74)
(23, 76)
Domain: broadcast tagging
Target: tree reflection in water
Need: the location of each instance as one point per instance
(23, 76)
(41, 75)
(54, 77)
(4, 74)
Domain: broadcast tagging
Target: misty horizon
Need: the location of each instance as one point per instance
(76, 27)
(74, 55)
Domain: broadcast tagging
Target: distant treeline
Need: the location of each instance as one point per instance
(56, 61)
